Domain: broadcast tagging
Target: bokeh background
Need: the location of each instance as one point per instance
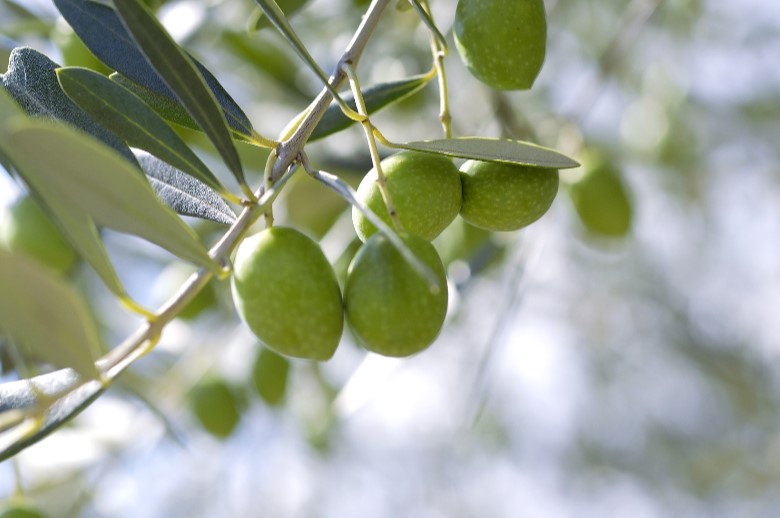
(618, 357)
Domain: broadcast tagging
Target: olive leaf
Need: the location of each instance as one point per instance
(68, 392)
(183, 77)
(493, 150)
(77, 226)
(46, 317)
(376, 97)
(103, 33)
(183, 193)
(119, 110)
(32, 81)
(84, 173)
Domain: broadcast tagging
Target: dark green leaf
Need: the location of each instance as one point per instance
(376, 98)
(45, 317)
(494, 150)
(104, 34)
(26, 395)
(184, 194)
(179, 72)
(32, 81)
(85, 174)
(119, 110)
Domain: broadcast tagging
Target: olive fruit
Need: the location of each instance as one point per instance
(600, 198)
(25, 228)
(390, 307)
(287, 293)
(499, 196)
(216, 407)
(424, 188)
(21, 510)
(502, 42)
(269, 375)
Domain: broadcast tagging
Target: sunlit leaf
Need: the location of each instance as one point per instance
(376, 97)
(104, 34)
(119, 110)
(494, 150)
(181, 75)
(27, 394)
(184, 194)
(79, 228)
(31, 80)
(88, 175)
(45, 317)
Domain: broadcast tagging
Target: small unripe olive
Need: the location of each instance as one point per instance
(601, 199)
(269, 375)
(25, 228)
(390, 307)
(425, 190)
(21, 510)
(502, 42)
(287, 293)
(216, 407)
(499, 196)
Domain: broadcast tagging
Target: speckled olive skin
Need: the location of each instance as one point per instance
(287, 293)
(499, 196)
(425, 189)
(502, 42)
(390, 307)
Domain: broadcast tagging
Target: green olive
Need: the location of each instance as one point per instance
(287, 293)
(499, 196)
(390, 306)
(25, 228)
(216, 407)
(425, 190)
(601, 199)
(269, 375)
(21, 510)
(502, 42)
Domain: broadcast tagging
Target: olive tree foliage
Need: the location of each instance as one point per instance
(114, 159)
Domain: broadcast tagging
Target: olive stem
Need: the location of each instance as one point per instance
(439, 52)
(375, 158)
(346, 192)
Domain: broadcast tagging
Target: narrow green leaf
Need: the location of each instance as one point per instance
(26, 395)
(122, 112)
(376, 98)
(277, 17)
(177, 70)
(45, 316)
(493, 150)
(84, 173)
(77, 226)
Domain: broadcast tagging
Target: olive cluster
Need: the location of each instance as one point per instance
(288, 293)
